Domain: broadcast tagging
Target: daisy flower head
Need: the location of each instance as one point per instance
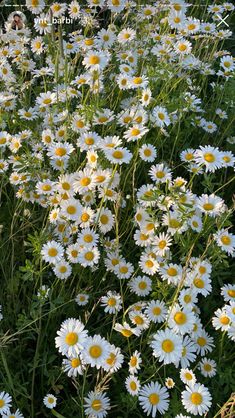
(146, 97)
(126, 35)
(181, 320)
(73, 366)
(208, 156)
(162, 243)
(135, 362)
(160, 173)
(148, 153)
(96, 404)
(71, 337)
(132, 385)
(62, 269)
(82, 299)
(88, 256)
(221, 321)
(207, 367)
(196, 399)
(46, 99)
(228, 292)
(187, 376)
(5, 402)
(35, 6)
(169, 383)
(52, 252)
(96, 350)
(135, 132)
(226, 241)
(203, 342)
(114, 361)
(95, 60)
(126, 330)
(153, 398)
(183, 47)
(156, 311)
(167, 346)
(160, 116)
(16, 414)
(112, 302)
(140, 285)
(119, 155)
(50, 401)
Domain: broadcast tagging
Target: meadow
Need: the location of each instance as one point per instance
(117, 140)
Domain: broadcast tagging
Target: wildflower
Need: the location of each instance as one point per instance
(96, 351)
(196, 399)
(160, 116)
(96, 404)
(153, 398)
(112, 302)
(134, 363)
(52, 252)
(187, 376)
(71, 337)
(5, 402)
(169, 383)
(226, 241)
(167, 346)
(207, 367)
(50, 401)
(132, 385)
(73, 366)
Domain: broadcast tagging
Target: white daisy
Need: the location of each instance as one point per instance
(71, 337)
(196, 399)
(153, 398)
(167, 346)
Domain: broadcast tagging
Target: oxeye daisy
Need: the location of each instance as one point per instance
(5, 402)
(112, 302)
(167, 346)
(52, 252)
(118, 155)
(221, 320)
(196, 399)
(183, 47)
(211, 205)
(88, 256)
(126, 35)
(126, 330)
(96, 404)
(169, 383)
(71, 337)
(95, 60)
(160, 116)
(96, 350)
(228, 292)
(82, 299)
(153, 398)
(208, 156)
(207, 367)
(114, 361)
(181, 320)
(156, 311)
(16, 414)
(203, 342)
(135, 362)
(73, 366)
(132, 385)
(162, 243)
(148, 153)
(226, 241)
(35, 6)
(50, 401)
(62, 269)
(187, 376)
(140, 285)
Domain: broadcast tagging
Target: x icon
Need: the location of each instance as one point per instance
(223, 20)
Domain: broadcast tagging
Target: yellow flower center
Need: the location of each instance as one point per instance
(111, 302)
(208, 206)
(89, 256)
(111, 359)
(154, 398)
(2, 403)
(199, 283)
(180, 318)
(74, 253)
(52, 252)
(182, 47)
(126, 332)
(168, 346)
(118, 154)
(133, 361)
(93, 60)
(207, 367)
(71, 210)
(75, 362)
(172, 272)
(196, 398)
(147, 152)
(201, 341)
(137, 80)
(224, 320)
(95, 351)
(96, 404)
(71, 338)
(231, 293)
(135, 132)
(133, 385)
(104, 219)
(85, 181)
(209, 157)
(187, 298)
(226, 240)
(142, 285)
(85, 217)
(89, 141)
(149, 264)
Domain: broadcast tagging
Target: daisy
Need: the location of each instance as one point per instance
(139, 319)
(112, 302)
(35, 6)
(46, 99)
(105, 220)
(167, 346)
(139, 82)
(160, 116)
(118, 155)
(73, 366)
(172, 273)
(221, 321)
(96, 350)
(71, 337)
(96, 404)
(123, 270)
(148, 153)
(181, 320)
(227, 63)
(228, 292)
(160, 173)
(71, 209)
(62, 269)
(50, 401)
(16, 414)
(126, 35)
(74, 10)
(162, 243)
(183, 47)
(82, 299)
(116, 6)
(196, 399)
(207, 367)
(208, 156)
(83, 181)
(148, 264)
(187, 297)
(88, 256)
(153, 398)
(140, 285)
(96, 61)
(134, 363)
(52, 252)
(203, 342)
(37, 45)
(5, 403)
(135, 132)
(114, 360)
(132, 385)
(146, 97)
(58, 9)
(156, 311)
(126, 330)
(187, 376)
(226, 241)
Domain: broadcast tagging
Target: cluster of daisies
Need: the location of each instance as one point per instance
(87, 120)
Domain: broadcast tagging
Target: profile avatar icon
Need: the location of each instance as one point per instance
(16, 21)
